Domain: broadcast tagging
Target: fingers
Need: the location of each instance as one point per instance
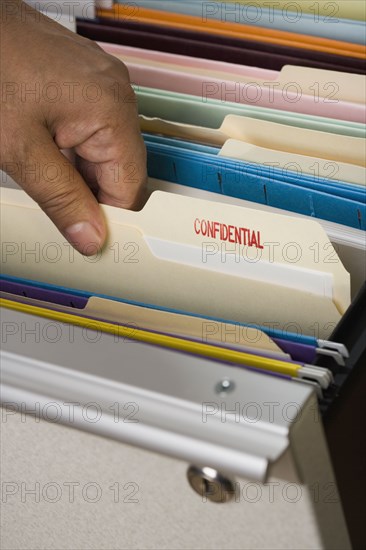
(114, 157)
(51, 180)
(101, 127)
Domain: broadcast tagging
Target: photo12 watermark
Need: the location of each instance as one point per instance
(65, 10)
(252, 412)
(70, 412)
(71, 492)
(67, 92)
(270, 93)
(270, 11)
(270, 492)
(26, 252)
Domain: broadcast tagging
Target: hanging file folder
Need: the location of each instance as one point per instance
(215, 47)
(203, 328)
(310, 91)
(188, 109)
(351, 9)
(265, 134)
(282, 366)
(289, 170)
(335, 201)
(316, 83)
(273, 17)
(291, 162)
(139, 316)
(181, 324)
(236, 30)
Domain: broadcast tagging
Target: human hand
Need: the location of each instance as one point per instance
(61, 91)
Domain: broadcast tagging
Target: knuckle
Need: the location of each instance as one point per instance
(119, 66)
(59, 199)
(108, 65)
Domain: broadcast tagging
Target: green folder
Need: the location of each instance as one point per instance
(210, 113)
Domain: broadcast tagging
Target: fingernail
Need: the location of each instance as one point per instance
(84, 237)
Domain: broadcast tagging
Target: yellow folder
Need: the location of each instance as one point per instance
(317, 374)
(200, 329)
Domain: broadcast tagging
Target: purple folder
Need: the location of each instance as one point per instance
(303, 353)
(54, 297)
(196, 44)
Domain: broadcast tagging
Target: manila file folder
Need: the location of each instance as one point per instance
(202, 257)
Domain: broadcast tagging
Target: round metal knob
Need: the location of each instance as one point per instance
(210, 484)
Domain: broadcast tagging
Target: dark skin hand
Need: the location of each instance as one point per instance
(62, 92)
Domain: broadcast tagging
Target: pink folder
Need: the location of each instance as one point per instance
(297, 89)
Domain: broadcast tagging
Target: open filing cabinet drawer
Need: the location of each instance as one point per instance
(144, 416)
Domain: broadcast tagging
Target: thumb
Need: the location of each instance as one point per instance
(51, 180)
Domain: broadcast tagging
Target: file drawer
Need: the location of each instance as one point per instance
(142, 417)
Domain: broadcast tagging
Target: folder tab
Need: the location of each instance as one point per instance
(288, 162)
(333, 86)
(270, 135)
(208, 258)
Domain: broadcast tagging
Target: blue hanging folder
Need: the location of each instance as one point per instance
(337, 202)
(287, 19)
(352, 191)
(333, 186)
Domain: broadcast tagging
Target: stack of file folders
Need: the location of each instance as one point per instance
(251, 247)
